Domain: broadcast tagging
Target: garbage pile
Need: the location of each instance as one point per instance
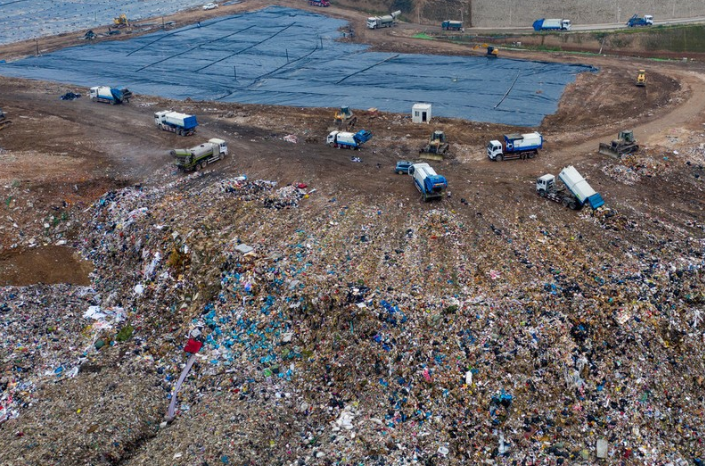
(345, 332)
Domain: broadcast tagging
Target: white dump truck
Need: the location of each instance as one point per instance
(386, 21)
(110, 95)
(198, 157)
(578, 193)
(515, 146)
(179, 123)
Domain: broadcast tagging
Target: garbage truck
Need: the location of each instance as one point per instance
(110, 95)
(386, 21)
(198, 157)
(635, 21)
(430, 184)
(179, 123)
(575, 195)
(450, 25)
(544, 24)
(515, 146)
(345, 140)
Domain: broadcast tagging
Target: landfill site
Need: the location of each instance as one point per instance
(501, 264)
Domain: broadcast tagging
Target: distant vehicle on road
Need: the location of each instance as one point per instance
(210, 6)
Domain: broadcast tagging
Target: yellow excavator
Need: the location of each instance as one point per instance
(121, 21)
(641, 78)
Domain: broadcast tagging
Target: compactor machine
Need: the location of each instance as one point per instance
(624, 144)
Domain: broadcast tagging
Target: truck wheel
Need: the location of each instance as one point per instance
(179, 132)
(499, 158)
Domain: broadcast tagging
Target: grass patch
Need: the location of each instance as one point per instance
(424, 36)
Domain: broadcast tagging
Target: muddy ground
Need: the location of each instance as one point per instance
(59, 157)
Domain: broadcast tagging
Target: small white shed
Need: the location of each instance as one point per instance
(421, 113)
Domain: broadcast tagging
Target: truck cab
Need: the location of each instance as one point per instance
(565, 24)
(546, 184)
(494, 148)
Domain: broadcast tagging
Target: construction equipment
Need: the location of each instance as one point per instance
(492, 52)
(179, 123)
(578, 192)
(121, 21)
(198, 157)
(436, 147)
(430, 184)
(624, 144)
(4, 121)
(641, 78)
(110, 95)
(345, 140)
(345, 118)
(515, 146)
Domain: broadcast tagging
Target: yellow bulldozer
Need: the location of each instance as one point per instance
(121, 21)
(345, 118)
(641, 78)
(436, 148)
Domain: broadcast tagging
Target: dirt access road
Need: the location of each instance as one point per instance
(59, 156)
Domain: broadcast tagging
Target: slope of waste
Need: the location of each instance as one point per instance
(284, 56)
(326, 330)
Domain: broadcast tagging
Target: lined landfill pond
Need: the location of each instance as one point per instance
(29, 19)
(284, 56)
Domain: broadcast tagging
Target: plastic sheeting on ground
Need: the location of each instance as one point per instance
(284, 56)
(29, 19)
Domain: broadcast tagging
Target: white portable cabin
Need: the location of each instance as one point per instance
(421, 113)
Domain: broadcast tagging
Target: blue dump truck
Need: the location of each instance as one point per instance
(515, 146)
(179, 123)
(577, 192)
(449, 25)
(110, 95)
(636, 21)
(430, 184)
(544, 24)
(345, 140)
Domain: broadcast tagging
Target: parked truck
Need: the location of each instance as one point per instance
(110, 95)
(449, 25)
(198, 157)
(345, 140)
(179, 123)
(386, 21)
(635, 21)
(322, 3)
(575, 195)
(544, 24)
(515, 146)
(430, 184)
